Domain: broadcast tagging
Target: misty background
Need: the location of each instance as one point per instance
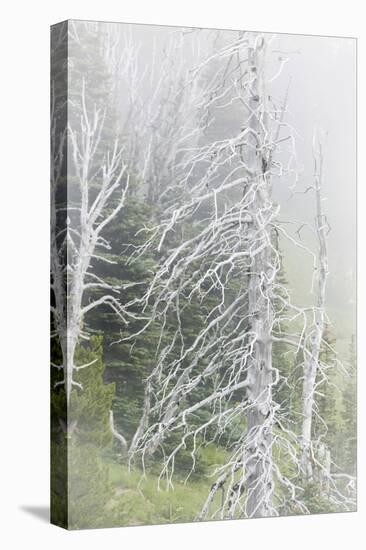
(319, 78)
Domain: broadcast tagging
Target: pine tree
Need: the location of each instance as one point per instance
(126, 366)
(59, 444)
(349, 444)
(328, 418)
(288, 392)
(80, 484)
(89, 437)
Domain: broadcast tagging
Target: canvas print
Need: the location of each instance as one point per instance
(203, 260)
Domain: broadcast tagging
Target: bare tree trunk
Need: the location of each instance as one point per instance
(311, 360)
(261, 275)
(116, 434)
(233, 348)
(78, 243)
(144, 421)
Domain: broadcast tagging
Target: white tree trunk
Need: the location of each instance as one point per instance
(72, 252)
(311, 359)
(261, 276)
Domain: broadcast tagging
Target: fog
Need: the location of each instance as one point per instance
(322, 95)
(320, 76)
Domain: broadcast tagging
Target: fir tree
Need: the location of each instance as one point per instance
(328, 418)
(89, 437)
(349, 444)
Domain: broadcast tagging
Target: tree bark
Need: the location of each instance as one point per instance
(311, 360)
(259, 392)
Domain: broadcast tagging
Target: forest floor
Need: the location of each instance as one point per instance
(138, 500)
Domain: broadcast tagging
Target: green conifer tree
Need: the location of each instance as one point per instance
(89, 437)
(349, 444)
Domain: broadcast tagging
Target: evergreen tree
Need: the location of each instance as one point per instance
(328, 418)
(81, 435)
(349, 444)
(59, 443)
(287, 393)
(127, 366)
(89, 438)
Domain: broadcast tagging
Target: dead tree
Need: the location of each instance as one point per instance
(315, 336)
(163, 110)
(261, 276)
(237, 240)
(95, 195)
(164, 121)
(221, 190)
(316, 460)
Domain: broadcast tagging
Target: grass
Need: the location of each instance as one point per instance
(137, 500)
(134, 499)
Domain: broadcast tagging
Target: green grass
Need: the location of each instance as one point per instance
(137, 499)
